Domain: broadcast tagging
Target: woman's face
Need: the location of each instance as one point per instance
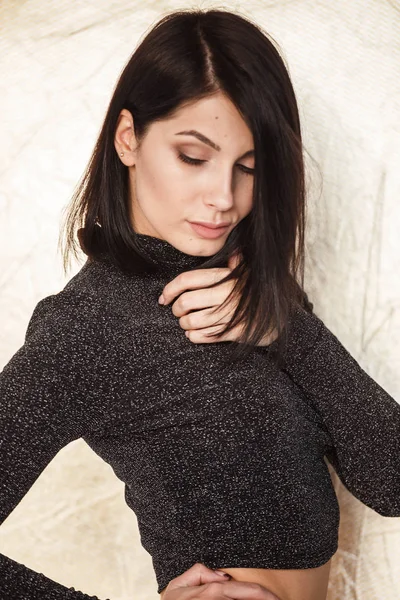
(168, 194)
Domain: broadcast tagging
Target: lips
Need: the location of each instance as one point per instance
(208, 232)
(211, 225)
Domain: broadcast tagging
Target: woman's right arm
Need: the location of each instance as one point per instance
(45, 403)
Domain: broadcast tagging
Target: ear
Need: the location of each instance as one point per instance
(124, 140)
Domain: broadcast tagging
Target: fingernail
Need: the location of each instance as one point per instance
(222, 574)
(161, 299)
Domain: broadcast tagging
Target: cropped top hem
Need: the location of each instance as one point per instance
(217, 558)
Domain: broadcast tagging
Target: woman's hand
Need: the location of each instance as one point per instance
(203, 321)
(201, 583)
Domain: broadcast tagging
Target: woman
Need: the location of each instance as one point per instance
(221, 445)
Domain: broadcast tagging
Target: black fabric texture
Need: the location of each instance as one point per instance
(221, 466)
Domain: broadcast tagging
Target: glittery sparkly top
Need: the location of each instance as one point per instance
(221, 466)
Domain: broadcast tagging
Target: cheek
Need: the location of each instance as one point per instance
(161, 193)
(154, 180)
(165, 176)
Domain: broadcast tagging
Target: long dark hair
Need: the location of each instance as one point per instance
(188, 55)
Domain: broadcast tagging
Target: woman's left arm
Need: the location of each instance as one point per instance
(362, 418)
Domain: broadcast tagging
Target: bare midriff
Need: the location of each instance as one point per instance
(293, 584)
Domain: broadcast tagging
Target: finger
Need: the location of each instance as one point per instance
(199, 336)
(201, 299)
(189, 280)
(196, 575)
(201, 319)
(243, 590)
(234, 260)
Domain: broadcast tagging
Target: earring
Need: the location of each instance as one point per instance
(121, 153)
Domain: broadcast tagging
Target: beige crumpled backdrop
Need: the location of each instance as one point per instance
(59, 62)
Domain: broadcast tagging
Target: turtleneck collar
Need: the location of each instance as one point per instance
(167, 256)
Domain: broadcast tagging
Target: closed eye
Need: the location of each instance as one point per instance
(197, 162)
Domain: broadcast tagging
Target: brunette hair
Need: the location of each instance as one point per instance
(188, 55)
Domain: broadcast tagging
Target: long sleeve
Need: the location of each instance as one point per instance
(46, 401)
(363, 420)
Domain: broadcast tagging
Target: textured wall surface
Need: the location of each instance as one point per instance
(59, 62)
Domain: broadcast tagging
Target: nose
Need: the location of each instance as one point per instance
(221, 194)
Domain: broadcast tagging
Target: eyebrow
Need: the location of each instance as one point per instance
(206, 140)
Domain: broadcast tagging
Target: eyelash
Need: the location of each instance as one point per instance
(197, 162)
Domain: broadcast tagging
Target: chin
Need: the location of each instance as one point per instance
(203, 247)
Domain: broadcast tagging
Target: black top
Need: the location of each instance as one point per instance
(221, 466)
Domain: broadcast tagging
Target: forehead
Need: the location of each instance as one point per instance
(216, 116)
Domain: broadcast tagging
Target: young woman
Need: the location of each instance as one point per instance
(196, 187)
